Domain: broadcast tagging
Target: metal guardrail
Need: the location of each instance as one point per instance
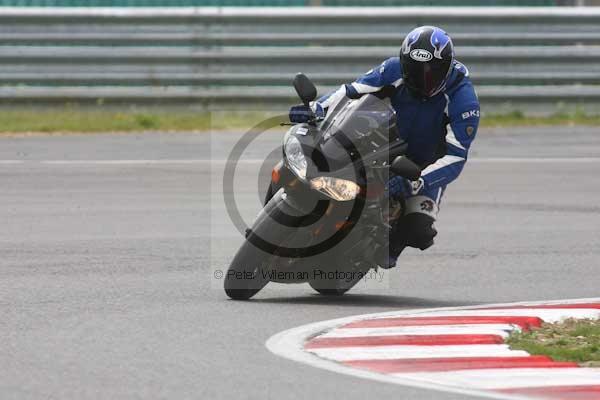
(270, 3)
(282, 38)
(219, 56)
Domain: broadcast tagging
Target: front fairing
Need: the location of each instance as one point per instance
(355, 142)
(355, 133)
(365, 125)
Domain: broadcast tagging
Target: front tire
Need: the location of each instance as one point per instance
(246, 276)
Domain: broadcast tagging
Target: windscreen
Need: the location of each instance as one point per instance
(365, 123)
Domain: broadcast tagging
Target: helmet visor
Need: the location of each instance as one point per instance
(425, 79)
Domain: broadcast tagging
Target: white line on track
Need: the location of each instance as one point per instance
(290, 344)
(127, 162)
(398, 352)
(487, 329)
(535, 160)
(500, 160)
(510, 378)
(11, 162)
(548, 315)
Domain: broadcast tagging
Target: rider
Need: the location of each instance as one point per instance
(437, 115)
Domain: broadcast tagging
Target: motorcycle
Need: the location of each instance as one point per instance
(326, 219)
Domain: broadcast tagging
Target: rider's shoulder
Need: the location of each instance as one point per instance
(459, 86)
(392, 62)
(460, 68)
(390, 70)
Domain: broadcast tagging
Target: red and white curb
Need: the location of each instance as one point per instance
(459, 350)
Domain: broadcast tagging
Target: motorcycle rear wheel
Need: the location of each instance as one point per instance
(334, 287)
(328, 291)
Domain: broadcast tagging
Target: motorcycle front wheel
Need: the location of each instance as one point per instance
(246, 275)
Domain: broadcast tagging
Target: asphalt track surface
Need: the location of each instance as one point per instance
(108, 255)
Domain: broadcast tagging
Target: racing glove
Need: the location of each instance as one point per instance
(399, 187)
(300, 114)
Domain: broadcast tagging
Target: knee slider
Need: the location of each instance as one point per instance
(418, 230)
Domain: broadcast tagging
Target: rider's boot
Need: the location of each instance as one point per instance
(413, 230)
(388, 256)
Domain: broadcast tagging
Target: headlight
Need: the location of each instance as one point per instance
(295, 156)
(337, 189)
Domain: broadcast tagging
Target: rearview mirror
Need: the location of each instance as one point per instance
(405, 168)
(305, 88)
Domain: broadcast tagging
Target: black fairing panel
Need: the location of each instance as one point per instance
(357, 129)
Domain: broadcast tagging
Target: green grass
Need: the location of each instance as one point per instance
(93, 120)
(570, 340)
(88, 120)
(517, 118)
